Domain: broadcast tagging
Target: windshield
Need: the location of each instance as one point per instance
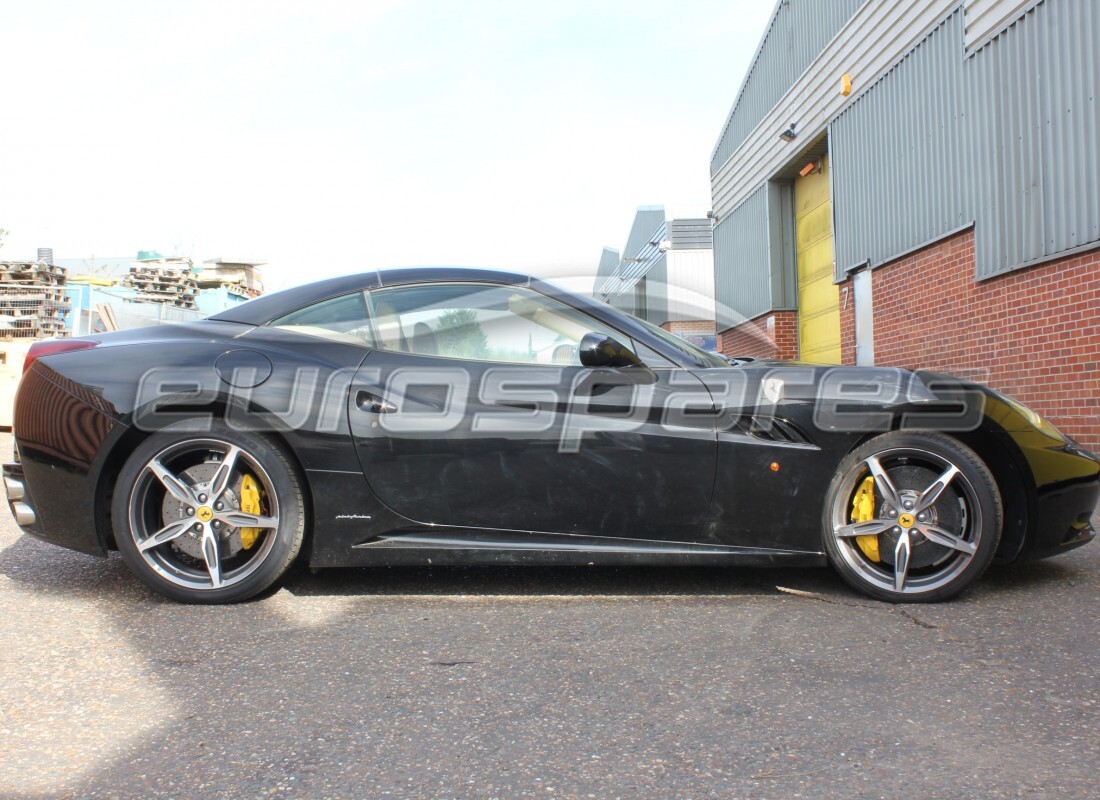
(697, 354)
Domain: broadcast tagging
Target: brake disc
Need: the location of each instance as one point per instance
(190, 543)
(946, 512)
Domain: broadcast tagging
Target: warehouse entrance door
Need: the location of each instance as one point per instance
(818, 296)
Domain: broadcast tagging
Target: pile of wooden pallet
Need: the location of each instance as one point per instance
(237, 276)
(166, 281)
(31, 273)
(33, 304)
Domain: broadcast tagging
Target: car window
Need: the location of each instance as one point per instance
(702, 357)
(341, 318)
(483, 322)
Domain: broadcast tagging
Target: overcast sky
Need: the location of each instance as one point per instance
(329, 138)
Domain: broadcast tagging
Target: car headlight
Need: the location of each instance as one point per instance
(1036, 420)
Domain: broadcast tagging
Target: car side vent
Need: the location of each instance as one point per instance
(771, 429)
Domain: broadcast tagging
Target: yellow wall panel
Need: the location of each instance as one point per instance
(816, 225)
(818, 296)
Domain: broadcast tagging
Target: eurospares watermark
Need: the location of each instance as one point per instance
(568, 404)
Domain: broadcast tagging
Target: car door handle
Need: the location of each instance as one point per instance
(373, 403)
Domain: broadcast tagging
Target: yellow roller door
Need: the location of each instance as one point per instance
(818, 296)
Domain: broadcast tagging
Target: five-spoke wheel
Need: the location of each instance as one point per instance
(912, 517)
(209, 518)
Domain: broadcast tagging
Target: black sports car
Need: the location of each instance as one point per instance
(450, 416)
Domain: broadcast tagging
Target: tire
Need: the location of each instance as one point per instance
(936, 518)
(178, 521)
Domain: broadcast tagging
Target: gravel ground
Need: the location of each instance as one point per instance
(510, 683)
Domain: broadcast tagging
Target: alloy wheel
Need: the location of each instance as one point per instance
(204, 514)
(926, 525)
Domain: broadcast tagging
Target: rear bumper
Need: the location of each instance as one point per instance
(61, 435)
(19, 501)
(57, 511)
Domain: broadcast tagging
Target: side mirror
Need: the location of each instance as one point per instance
(597, 350)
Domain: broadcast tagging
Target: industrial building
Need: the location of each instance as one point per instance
(665, 275)
(916, 183)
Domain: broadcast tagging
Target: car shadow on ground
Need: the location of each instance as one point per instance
(53, 570)
(320, 677)
(592, 581)
(595, 582)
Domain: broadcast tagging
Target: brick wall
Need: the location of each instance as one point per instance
(758, 338)
(848, 323)
(690, 326)
(1033, 334)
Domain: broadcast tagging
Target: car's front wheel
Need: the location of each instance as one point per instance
(912, 517)
(208, 517)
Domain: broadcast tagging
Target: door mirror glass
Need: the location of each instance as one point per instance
(599, 350)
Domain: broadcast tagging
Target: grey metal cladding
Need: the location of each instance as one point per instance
(623, 301)
(609, 259)
(742, 286)
(691, 234)
(1007, 137)
(797, 32)
(620, 281)
(646, 224)
(898, 158)
(656, 282)
(1033, 92)
(633, 268)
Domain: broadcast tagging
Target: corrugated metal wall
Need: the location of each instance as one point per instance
(986, 18)
(690, 234)
(1036, 136)
(648, 224)
(609, 259)
(879, 34)
(742, 281)
(898, 156)
(643, 283)
(690, 285)
(625, 286)
(1008, 137)
(624, 301)
(656, 291)
(803, 27)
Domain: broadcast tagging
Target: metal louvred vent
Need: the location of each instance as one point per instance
(771, 429)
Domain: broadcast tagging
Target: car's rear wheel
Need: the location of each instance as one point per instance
(912, 517)
(208, 517)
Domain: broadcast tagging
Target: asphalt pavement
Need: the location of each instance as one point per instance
(548, 683)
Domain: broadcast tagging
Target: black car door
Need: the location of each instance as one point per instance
(474, 411)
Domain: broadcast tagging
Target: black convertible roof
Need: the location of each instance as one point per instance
(271, 306)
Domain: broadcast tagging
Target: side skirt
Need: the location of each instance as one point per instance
(461, 546)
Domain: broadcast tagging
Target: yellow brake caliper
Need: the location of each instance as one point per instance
(250, 504)
(863, 510)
